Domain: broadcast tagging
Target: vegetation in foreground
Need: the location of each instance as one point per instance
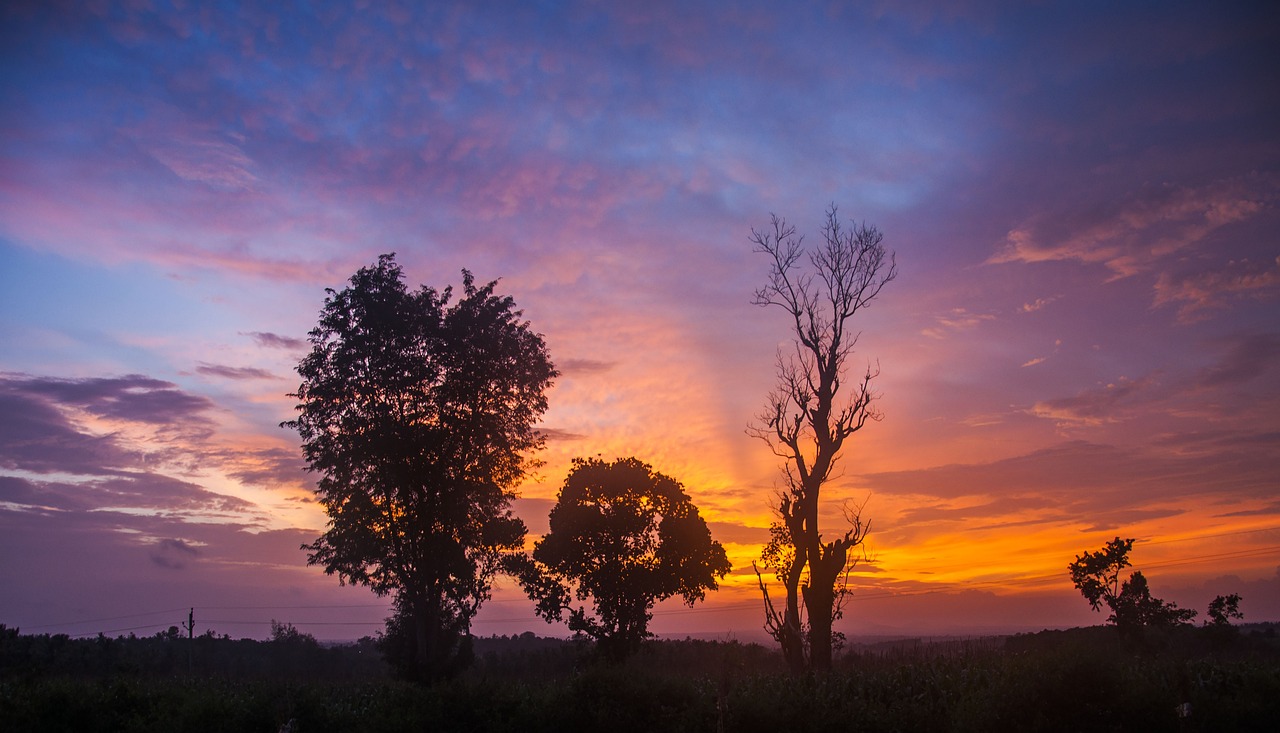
(1084, 679)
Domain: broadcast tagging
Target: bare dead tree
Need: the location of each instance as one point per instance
(810, 414)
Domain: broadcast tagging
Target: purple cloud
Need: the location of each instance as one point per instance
(130, 491)
(1101, 404)
(268, 468)
(556, 434)
(1093, 479)
(276, 341)
(584, 366)
(133, 397)
(1248, 358)
(230, 372)
(173, 554)
(36, 437)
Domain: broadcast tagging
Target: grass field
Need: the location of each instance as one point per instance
(1084, 679)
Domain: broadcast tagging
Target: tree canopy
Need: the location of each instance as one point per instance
(625, 537)
(418, 411)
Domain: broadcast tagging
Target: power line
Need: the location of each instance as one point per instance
(1237, 555)
(112, 631)
(108, 618)
(295, 607)
(294, 623)
(1210, 536)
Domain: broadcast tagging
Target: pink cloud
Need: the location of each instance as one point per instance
(1139, 234)
(1197, 294)
(1099, 405)
(957, 319)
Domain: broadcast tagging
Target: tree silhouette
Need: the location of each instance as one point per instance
(1222, 609)
(1136, 607)
(810, 415)
(418, 412)
(1097, 576)
(625, 537)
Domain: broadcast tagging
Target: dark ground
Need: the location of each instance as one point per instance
(1187, 679)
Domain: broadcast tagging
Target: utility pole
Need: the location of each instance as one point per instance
(191, 627)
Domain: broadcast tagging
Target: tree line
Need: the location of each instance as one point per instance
(419, 410)
(1097, 576)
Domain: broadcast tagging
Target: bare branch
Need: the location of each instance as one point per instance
(812, 411)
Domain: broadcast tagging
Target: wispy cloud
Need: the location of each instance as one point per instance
(556, 434)
(957, 319)
(230, 372)
(584, 366)
(1037, 304)
(1197, 294)
(276, 341)
(1154, 224)
(193, 151)
(173, 554)
(1248, 358)
(1087, 484)
(134, 397)
(1098, 405)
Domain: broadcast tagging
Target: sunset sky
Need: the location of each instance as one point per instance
(1083, 340)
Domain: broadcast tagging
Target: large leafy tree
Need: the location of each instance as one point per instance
(810, 416)
(418, 412)
(1097, 576)
(624, 537)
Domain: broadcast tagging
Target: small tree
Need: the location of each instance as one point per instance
(1097, 576)
(418, 413)
(288, 635)
(625, 537)
(1135, 607)
(809, 416)
(1222, 609)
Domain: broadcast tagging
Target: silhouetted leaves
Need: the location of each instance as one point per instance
(625, 537)
(418, 413)
(1097, 575)
(1224, 608)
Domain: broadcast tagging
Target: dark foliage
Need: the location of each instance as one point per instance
(288, 655)
(624, 537)
(1084, 679)
(419, 413)
(1135, 607)
(1224, 608)
(1097, 576)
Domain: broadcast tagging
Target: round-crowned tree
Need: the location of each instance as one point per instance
(623, 537)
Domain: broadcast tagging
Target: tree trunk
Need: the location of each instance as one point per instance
(424, 636)
(825, 567)
(789, 635)
(819, 601)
